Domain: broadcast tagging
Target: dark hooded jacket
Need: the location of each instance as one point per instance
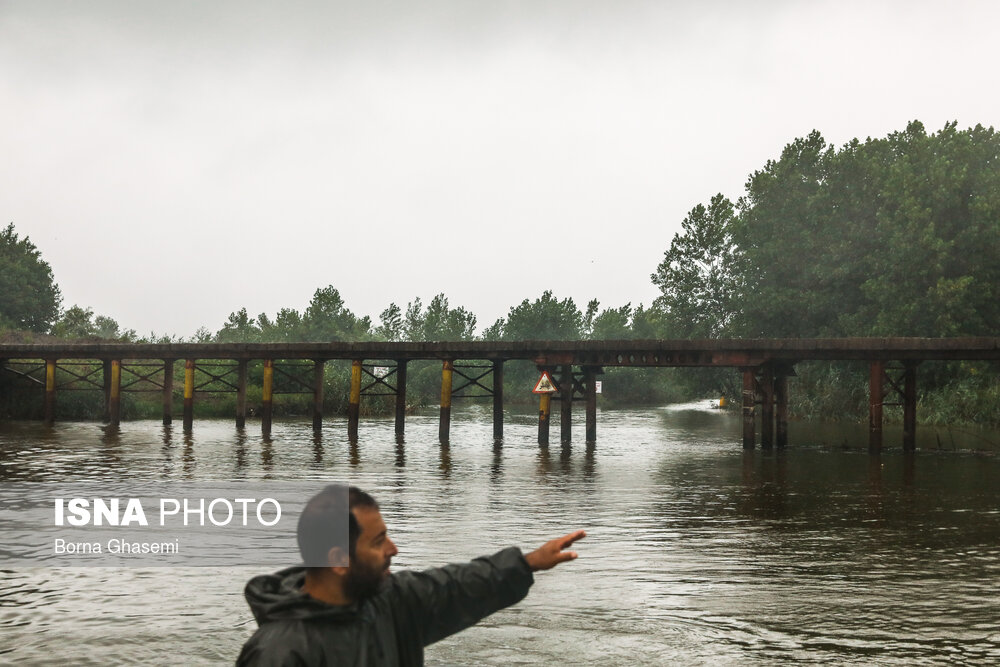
(410, 611)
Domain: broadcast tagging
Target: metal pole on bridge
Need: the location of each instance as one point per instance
(318, 367)
(50, 391)
(876, 396)
(749, 404)
(267, 398)
(566, 406)
(400, 397)
(241, 393)
(168, 391)
(544, 411)
(444, 426)
(498, 399)
(188, 394)
(909, 405)
(590, 379)
(354, 401)
(115, 393)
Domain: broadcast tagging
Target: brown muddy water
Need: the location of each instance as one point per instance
(698, 553)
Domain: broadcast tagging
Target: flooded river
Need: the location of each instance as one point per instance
(698, 553)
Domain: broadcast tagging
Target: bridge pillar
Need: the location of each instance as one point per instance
(50, 391)
(544, 411)
(444, 424)
(267, 398)
(566, 406)
(498, 399)
(909, 405)
(106, 376)
(354, 401)
(241, 393)
(767, 406)
(115, 394)
(168, 391)
(188, 394)
(749, 407)
(781, 409)
(589, 380)
(318, 368)
(876, 397)
(400, 397)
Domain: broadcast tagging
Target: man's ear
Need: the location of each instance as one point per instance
(338, 559)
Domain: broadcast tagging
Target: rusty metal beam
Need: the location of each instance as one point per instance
(749, 407)
(241, 393)
(317, 406)
(189, 365)
(400, 397)
(590, 393)
(444, 423)
(910, 406)
(498, 399)
(566, 404)
(168, 391)
(876, 398)
(267, 398)
(354, 400)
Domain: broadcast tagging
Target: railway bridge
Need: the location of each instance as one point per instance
(380, 368)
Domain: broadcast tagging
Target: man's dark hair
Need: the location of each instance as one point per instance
(317, 530)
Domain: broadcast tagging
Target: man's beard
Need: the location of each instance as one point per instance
(363, 581)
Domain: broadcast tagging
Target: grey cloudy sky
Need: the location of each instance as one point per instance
(175, 161)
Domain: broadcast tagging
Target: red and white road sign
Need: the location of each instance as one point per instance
(545, 385)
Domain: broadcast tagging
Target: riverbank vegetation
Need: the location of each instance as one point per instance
(895, 236)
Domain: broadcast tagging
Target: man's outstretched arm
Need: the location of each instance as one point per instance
(442, 601)
(554, 552)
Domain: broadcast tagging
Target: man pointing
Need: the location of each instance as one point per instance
(356, 613)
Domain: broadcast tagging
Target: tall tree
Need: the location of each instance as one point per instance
(29, 297)
(698, 279)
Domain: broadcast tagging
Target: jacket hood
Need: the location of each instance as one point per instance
(279, 596)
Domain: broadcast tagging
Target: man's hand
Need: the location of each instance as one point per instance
(551, 553)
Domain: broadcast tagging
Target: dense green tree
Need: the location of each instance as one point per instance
(327, 319)
(390, 323)
(29, 297)
(697, 278)
(438, 322)
(545, 318)
(79, 322)
(896, 236)
(239, 328)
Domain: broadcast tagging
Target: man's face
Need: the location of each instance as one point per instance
(372, 555)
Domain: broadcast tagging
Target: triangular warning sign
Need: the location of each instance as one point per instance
(545, 384)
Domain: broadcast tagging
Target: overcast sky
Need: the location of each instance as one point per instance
(175, 161)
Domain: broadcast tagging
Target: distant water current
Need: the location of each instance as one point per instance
(698, 553)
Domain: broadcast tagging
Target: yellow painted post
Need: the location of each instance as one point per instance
(50, 391)
(354, 401)
(114, 393)
(444, 426)
(267, 397)
(544, 409)
(188, 394)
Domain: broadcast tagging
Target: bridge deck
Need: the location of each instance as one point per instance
(714, 352)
